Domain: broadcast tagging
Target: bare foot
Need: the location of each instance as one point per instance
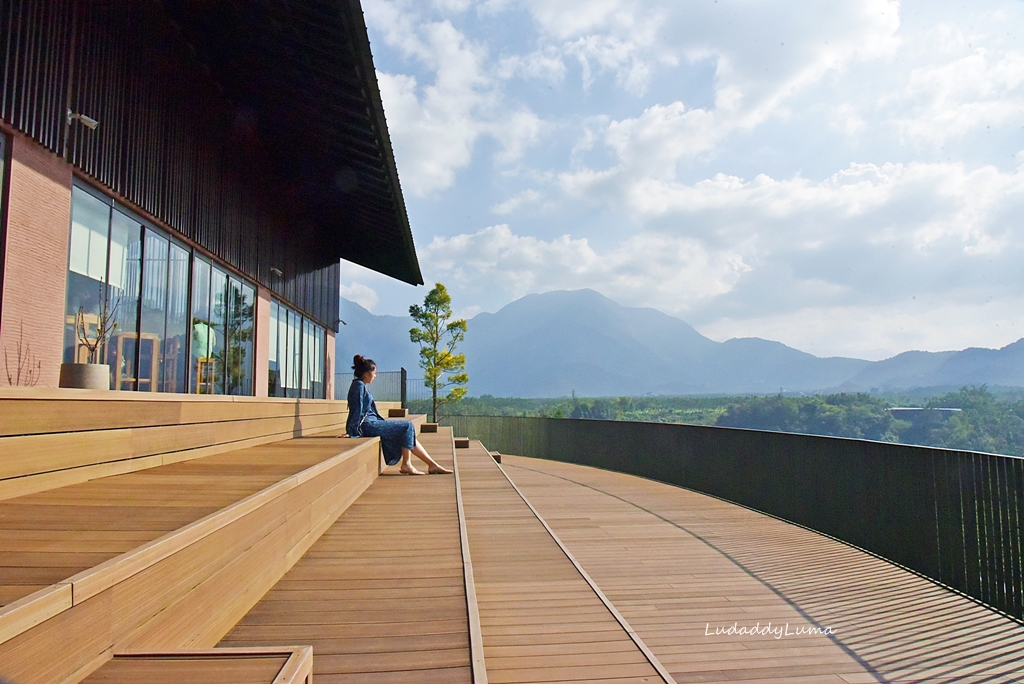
(411, 471)
(438, 470)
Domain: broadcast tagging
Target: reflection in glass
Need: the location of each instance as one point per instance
(296, 355)
(176, 330)
(218, 321)
(203, 337)
(87, 270)
(295, 342)
(238, 352)
(174, 368)
(154, 311)
(125, 269)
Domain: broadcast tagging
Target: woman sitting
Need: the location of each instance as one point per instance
(397, 437)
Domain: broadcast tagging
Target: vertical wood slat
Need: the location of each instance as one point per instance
(165, 137)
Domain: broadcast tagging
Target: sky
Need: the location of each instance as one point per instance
(845, 177)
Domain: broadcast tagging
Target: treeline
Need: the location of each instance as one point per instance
(985, 422)
(692, 410)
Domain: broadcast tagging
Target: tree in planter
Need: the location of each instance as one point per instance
(105, 325)
(438, 337)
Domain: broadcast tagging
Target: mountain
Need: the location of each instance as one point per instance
(385, 339)
(974, 366)
(556, 343)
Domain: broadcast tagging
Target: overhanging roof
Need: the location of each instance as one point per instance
(301, 77)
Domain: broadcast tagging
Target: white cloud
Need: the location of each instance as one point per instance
(363, 295)
(668, 272)
(434, 125)
(955, 97)
(777, 168)
(516, 201)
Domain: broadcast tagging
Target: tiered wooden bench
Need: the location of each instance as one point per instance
(381, 596)
(170, 553)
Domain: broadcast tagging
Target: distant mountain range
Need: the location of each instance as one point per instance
(556, 343)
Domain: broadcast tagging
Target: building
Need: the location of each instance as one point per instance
(193, 173)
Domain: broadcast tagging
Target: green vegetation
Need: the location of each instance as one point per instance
(438, 337)
(988, 421)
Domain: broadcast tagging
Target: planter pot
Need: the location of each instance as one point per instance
(94, 376)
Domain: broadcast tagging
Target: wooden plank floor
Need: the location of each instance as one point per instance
(541, 620)
(381, 596)
(50, 536)
(679, 566)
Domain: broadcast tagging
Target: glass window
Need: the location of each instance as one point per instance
(296, 355)
(125, 272)
(177, 322)
(87, 275)
(174, 366)
(202, 332)
(273, 355)
(295, 349)
(239, 337)
(218, 321)
(154, 311)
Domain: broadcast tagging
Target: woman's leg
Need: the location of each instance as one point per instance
(407, 466)
(421, 453)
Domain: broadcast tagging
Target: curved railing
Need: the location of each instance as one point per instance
(953, 516)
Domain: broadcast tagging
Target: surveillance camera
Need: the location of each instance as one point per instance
(88, 121)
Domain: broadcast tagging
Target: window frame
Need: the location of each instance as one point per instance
(193, 254)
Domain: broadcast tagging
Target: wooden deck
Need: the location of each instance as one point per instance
(541, 621)
(532, 571)
(681, 566)
(381, 595)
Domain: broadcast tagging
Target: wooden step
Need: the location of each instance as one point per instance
(55, 438)
(462, 442)
(161, 593)
(382, 595)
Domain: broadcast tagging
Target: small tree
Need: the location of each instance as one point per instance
(105, 325)
(26, 368)
(437, 337)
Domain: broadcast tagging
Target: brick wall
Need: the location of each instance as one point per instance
(36, 257)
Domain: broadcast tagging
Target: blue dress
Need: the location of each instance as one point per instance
(365, 421)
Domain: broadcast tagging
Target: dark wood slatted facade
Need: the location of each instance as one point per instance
(253, 129)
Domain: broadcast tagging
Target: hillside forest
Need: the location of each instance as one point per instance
(987, 421)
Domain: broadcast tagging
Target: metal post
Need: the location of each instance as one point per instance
(405, 403)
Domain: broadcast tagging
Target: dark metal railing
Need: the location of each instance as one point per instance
(388, 386)
(953, 516)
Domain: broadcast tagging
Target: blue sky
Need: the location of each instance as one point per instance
(845, 177)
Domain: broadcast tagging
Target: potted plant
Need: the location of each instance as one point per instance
(92, 374)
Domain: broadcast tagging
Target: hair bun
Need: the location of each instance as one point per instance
(357, 359)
